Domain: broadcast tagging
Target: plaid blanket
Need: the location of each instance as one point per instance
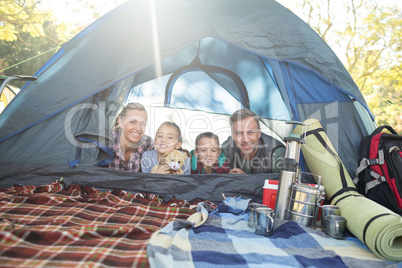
(80, 226)
(223, 239)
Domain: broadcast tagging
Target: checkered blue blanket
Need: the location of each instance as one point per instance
(222, 238)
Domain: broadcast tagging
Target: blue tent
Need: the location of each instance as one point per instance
(201, 56)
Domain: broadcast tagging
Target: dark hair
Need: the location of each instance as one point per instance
(206, 135)
(179, 136)
(175, 126)
(244, 113)
(130, 106)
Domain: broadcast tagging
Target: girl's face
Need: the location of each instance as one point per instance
(207, 151)
(166, 139)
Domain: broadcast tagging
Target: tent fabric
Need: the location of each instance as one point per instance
(113, 60)
(187, 187)
(214, 46)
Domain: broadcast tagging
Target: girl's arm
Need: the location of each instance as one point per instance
(145, 168)
(162, 169)
(148, 161)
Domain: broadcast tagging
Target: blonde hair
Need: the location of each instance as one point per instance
(130, 106)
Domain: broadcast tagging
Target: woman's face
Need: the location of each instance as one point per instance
(207, 151)
(166, 139)
(133, 125)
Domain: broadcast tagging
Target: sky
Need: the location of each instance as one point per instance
(75, 12)
(80, 12)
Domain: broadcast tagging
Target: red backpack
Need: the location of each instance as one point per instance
(379, 175)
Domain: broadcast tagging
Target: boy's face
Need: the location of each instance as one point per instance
(207, 151)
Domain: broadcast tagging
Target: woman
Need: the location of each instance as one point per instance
(130, 141)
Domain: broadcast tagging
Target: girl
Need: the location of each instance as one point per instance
(207, 157)
(168, 137)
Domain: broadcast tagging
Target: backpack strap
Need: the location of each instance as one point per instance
(370, 222)
(394, 148)
(378, 180)
(380, 129)
(346, 196)
(345, 187)
(365, 163)
(381, 158)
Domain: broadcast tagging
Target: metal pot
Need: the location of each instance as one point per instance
(304, 203)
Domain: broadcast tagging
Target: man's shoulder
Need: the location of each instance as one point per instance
(267, 139)
(227, 147)
(229, 138)
(227, 143)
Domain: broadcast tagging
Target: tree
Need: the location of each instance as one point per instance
(28, 31)
(366, 37)
(25, 48)
(17, 16)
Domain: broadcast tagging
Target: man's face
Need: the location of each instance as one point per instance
(245, 134)
(133, 125)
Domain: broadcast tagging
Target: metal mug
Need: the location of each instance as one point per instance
(335, 226)
(328, 210)
(265, 221)
(252, 219)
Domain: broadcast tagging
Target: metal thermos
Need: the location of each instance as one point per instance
(289, 174)
(284, 189)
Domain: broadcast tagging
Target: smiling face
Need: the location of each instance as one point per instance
(166, 139)
(245, 134)
(133, 125)
(207, 151)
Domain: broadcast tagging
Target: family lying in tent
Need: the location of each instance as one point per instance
(246, 151)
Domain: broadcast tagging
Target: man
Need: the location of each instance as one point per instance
(130, 141)
(249, 151)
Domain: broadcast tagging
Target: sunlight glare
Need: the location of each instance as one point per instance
(157, 56)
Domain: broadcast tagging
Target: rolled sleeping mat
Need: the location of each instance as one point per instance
(376, 226)
(322, 159)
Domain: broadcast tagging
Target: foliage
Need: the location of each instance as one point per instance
(28, 32)
(21, 16)
(366, 37)
(17, 51)
(381, 66)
